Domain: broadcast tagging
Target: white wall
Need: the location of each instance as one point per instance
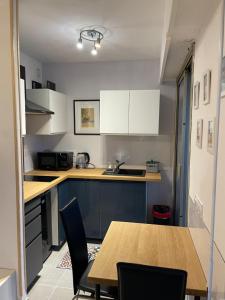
(85, 80)
(218, 283)
(32, 144)
(11, 203)
(33, 69)
(207, 56)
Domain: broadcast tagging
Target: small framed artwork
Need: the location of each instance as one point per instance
(206, 87)
(196, 94)
(199, 133)
(50, 85)
(36, 85)
(211, 136)
(86, 117)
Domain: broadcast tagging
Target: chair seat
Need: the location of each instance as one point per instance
(85, 285)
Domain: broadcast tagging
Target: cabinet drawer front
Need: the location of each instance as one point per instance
(32, 230)
(32, 214)
(34, 259)
(32, 204)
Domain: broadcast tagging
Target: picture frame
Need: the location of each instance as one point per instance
(51, 85)
(86, 117)
(196, 94)
(36, 85)
(206, 87)
(211, 136)
(199, 133)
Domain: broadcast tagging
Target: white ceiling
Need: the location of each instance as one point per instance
(49, 29)
(191, 18)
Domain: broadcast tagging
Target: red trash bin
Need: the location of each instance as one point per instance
(161, 214)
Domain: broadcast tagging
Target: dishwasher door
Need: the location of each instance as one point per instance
(46, 219)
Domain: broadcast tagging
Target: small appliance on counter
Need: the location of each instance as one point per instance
(55, 161)
(152, 166)
(82, 160)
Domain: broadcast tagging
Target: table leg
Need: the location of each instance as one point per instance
(197, 298)
(97, 292)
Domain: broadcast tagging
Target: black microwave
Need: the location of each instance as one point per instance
(55, 161)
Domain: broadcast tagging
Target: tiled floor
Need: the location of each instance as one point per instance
(54, 283)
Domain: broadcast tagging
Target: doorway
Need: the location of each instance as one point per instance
(184, 88)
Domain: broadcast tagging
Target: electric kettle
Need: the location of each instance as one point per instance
(82, 160)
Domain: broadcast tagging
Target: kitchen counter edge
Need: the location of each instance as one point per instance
(33, 189)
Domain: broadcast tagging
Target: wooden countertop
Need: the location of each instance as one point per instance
(154, 245)
(33, 188)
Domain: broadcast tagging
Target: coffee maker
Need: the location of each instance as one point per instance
(82, 160)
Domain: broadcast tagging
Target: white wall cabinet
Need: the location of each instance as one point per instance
(144, 112)
(47, 124)
(134, 112)
(114, 112)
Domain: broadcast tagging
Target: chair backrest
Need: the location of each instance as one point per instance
(147, 282)
(76, 239)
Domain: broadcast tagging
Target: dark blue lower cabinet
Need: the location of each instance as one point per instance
(102, 202)
(122, 201)
(87, 193)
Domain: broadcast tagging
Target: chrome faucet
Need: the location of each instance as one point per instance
(118, 165)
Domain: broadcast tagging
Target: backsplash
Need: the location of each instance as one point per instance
(104, 149)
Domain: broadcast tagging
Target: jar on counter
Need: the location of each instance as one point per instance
(152, 166)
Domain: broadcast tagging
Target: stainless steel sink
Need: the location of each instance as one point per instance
(126, 172)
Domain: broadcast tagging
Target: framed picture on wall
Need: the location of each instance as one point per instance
(196, 94)
(206, 87)
(199, 133)
(36, 85)
(211, 136)
(86, 117)
(50, 85)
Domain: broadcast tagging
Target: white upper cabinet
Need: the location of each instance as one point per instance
(114, 112)
(144, 112)
(129, 112)
(47, 124)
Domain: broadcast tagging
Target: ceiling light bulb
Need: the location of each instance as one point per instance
(94, 51)
(79, 44)
(97, 43)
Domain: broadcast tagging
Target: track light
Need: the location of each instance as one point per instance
(93, 36)
(80, 43)
(94, 51)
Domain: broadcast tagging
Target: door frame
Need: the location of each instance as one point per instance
(188, 63)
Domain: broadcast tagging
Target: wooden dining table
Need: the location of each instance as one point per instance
(148, 244)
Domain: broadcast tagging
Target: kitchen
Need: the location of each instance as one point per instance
(72, 80)
(65, 156)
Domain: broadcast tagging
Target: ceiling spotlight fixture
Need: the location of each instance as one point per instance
(98, 43)
(91, 35)
(80, 43)
(94, 51)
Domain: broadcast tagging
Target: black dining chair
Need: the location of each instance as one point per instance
(76, 239)
(150, 283)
